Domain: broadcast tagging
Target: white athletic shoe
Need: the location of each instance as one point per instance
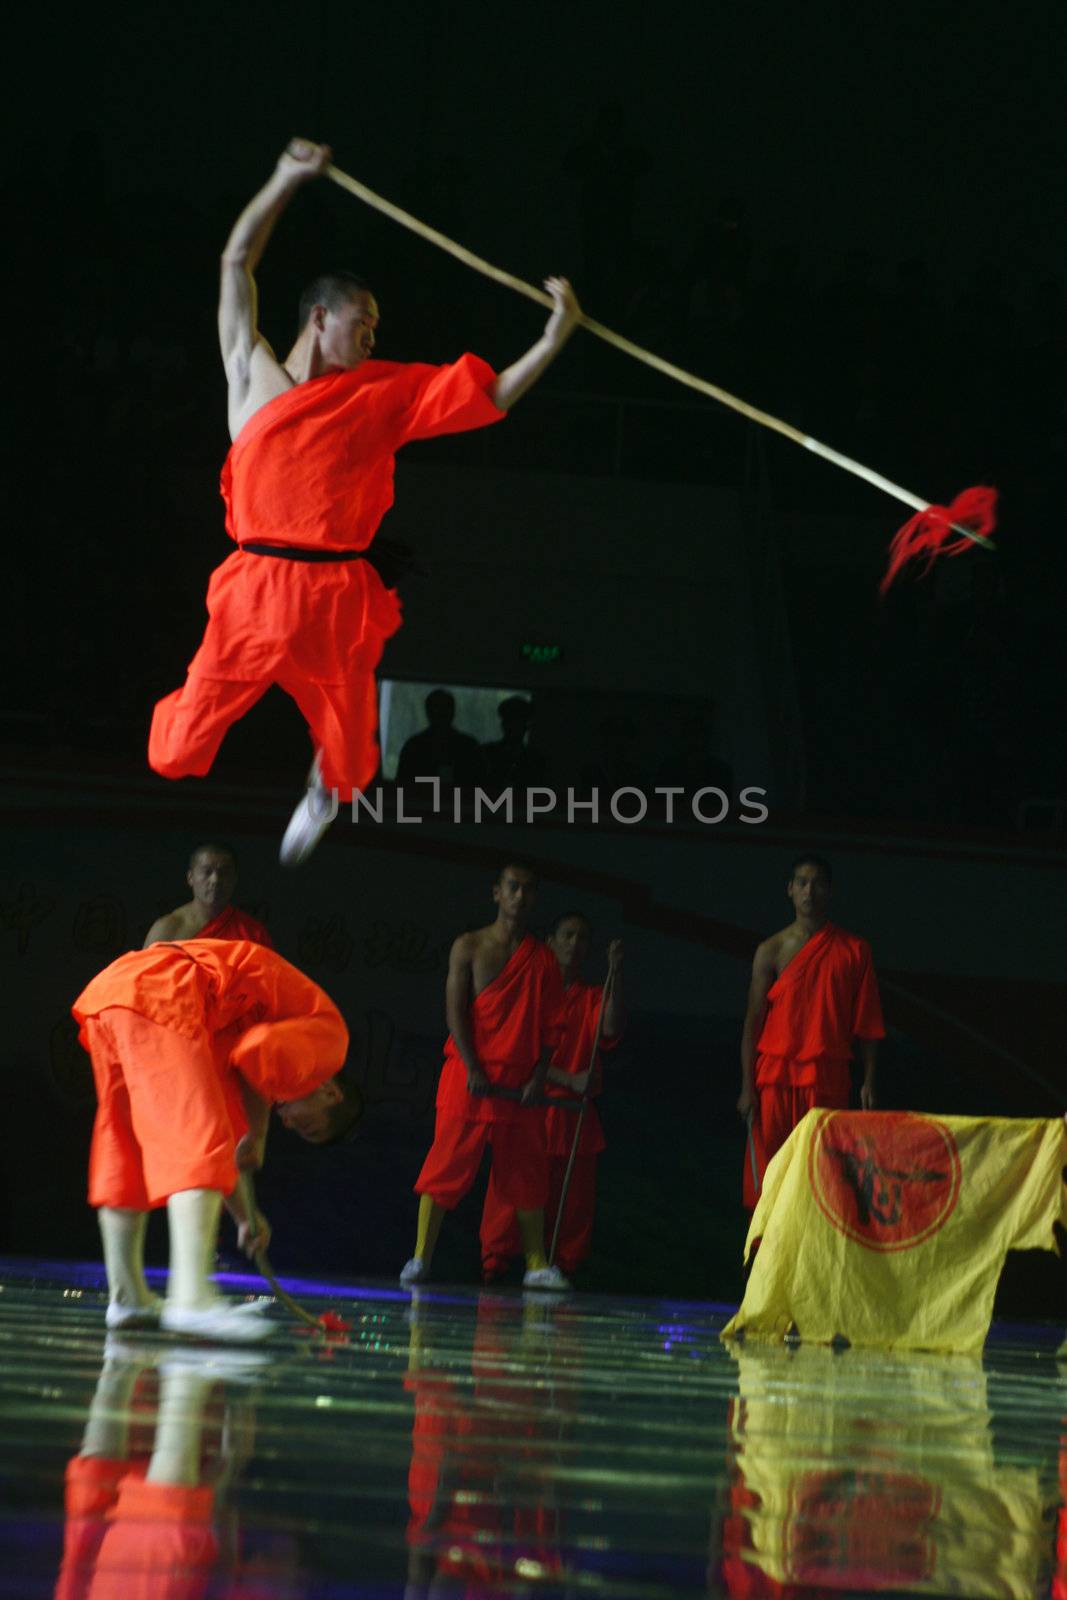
(118, 1317)
(416, 1271)
(545, 1278)
(314, 812)
(224, 1323)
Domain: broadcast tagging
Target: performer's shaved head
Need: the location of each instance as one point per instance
(332, 290)
(522, 864)
(210, 848)
(329, 1115)
(820, 864)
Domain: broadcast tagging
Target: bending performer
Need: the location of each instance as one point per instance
(191, 1045)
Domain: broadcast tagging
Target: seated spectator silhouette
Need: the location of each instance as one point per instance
(510, 762)
(440, 750)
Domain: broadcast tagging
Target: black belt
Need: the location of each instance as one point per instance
(296, 552)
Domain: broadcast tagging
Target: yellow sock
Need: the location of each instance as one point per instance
(431, 1215)
(532, 1230)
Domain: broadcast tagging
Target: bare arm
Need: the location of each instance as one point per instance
(162, 928)
(252, 1147)
(534, 1087)
(238, 330)
(458, 995)
(763, 975)
(869, 1058)
(513, 382)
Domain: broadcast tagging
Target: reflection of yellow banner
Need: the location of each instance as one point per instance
(865, 1472)
(890, 1228)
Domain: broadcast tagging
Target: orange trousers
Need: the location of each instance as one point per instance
(189, 725)
(499, 1230)
(126, 1539)
(520, 1160)
(164, 1120)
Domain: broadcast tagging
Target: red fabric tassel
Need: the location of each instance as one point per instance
(929, 532)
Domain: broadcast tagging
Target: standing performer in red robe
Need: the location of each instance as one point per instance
(813, 991)
(306, 484)
(568, 1080)
(212, 876)
(191, 1045)
(503, 1000)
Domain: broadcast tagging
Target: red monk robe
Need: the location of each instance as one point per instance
(312, 471)
(234, 924)
(499, 1230)
(826, 996)
(169, 1111)
(513, 1020)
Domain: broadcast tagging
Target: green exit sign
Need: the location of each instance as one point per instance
(541, 655)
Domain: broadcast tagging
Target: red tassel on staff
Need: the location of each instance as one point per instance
(928, 532)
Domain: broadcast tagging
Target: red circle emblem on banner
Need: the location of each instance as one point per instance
(887, 1179)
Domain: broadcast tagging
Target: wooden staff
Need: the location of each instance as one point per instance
(605, 996)
(263, 1266)
(646, 357)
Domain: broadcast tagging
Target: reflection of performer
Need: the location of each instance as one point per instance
(212, 876)
(503, 1000)
(813, 991)
(306, 485)
(479, 1486)
(145, 1513)
(568, 1077)
(829, 1492)
(191, 1045)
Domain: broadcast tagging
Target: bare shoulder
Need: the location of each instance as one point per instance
(772, 951)
(167, 927)
(464, 949)
(254, 385)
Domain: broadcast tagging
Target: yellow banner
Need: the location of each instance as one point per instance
(864, 1471)
(890, 1228)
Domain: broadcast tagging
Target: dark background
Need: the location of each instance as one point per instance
(852, 215)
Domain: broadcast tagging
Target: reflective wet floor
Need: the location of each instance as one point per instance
(454, 1443)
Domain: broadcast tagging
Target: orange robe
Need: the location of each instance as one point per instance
(513, 1020)
(499, 1233)
(825, 997)
(234, 924)
(312, 471)
(169, 1111)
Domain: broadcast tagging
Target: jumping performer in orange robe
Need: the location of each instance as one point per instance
(191, 1044)
(504, 999)
(813, 991)
(306, 485)
(212, 876)
(567, 1078)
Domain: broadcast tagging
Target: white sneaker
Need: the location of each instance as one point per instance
(416, 1271)
(224, 1323)
(118, 1316)
(545, 1278)
(314, 812)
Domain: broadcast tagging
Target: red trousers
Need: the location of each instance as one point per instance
(779, 1107)
(520, 1160)
(499, 1230)
(342, 718)
(163, 1121)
